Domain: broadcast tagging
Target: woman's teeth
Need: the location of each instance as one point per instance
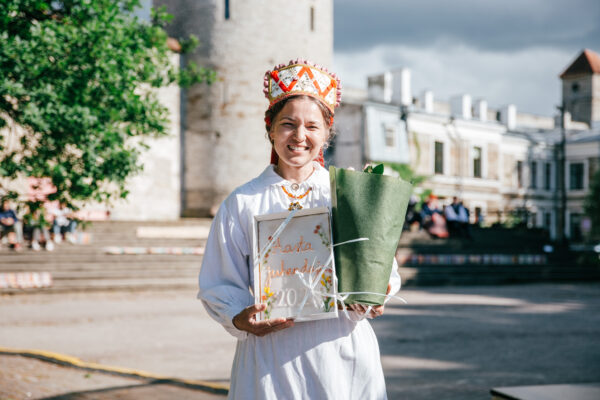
(295, 148)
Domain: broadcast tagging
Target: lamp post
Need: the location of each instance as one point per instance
(561, 178)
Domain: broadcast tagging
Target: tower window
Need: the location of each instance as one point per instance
(312, 19)
(227, 11)
(575, 87)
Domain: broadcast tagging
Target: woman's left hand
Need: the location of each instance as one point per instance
(376, 311)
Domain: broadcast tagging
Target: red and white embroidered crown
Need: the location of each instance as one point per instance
(302, 77)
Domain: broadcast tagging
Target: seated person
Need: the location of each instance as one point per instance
(457, 218)
(432, 219)
(10, 225)
(413, 217)
(64, 223)
(36, 227)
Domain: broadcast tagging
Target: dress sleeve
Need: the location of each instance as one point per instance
(224, 276)
(395, 280)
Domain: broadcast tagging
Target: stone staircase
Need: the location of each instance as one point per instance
(81, 267)
(494, 256)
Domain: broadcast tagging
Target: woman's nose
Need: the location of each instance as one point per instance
(300, 134)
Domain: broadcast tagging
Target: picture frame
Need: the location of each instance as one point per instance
(299, 259)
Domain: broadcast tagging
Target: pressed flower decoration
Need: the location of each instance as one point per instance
(319, 231)
(327, 282)
(268, 297)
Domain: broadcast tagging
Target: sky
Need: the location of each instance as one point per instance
(502, 51)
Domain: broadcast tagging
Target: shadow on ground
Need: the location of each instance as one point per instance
(156, 390)
(458, 343)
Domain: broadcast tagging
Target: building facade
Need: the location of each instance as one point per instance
(503, 164)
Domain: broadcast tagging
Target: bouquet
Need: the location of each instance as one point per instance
(366, 205)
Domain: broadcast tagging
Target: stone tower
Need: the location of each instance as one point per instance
(224, 142)
(581, 88)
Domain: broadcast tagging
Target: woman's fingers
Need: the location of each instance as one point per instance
(243, 321)
(377, 311)
(265, 327)
(246, 321)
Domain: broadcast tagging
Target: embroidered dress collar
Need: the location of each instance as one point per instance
(270, 177)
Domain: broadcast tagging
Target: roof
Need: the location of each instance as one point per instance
(553, 136)
(588, 62)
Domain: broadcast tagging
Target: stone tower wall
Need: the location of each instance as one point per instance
(577, 94)
(225, 142)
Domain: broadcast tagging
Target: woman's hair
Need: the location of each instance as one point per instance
(273, 111)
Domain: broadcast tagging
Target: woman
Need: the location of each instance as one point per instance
(280, 359)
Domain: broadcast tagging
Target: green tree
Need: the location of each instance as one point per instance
(592, 206)
(406, 172)
(80, 78)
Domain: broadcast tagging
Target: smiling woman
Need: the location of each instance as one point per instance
(298, 133)
(335, 358)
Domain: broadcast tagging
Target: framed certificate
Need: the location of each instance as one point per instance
(295, 276)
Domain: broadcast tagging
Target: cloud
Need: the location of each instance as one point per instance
(527, 78)
(506, 51)
(496, 25)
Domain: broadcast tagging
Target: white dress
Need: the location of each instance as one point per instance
(323, 359)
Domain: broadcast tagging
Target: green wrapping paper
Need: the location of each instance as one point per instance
(366, 205)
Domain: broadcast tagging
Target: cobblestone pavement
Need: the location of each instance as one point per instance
(27, 378)
(447, 343)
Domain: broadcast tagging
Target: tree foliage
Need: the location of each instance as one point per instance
(406, 172)
(80, 77)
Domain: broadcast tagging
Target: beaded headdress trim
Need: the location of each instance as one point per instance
(302, 77)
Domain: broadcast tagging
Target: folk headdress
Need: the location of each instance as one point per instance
(302, 77)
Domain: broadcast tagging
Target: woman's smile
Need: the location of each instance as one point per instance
(298, 147)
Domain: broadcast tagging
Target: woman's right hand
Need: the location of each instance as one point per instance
(246, 321)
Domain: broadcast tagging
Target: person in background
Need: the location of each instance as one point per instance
(457, 219)
(36, 227)
(63, 224)
(10, 224)
(413, 217)
(432, 219)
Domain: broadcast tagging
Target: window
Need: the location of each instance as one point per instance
(575, 227)
(547, 220)
(547, 176)
(576, 176)
(477, 162)
(533, 173)
(312, 19)
(532, 223)
(390, 136)
(520, 174)
(227, 11)
(439, 158)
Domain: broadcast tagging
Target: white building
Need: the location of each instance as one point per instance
(502, 163)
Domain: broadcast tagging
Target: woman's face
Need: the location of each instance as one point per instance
(298, 132)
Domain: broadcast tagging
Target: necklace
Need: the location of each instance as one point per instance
(295, 205)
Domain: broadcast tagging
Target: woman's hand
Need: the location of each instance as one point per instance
(376, 311)
(246, 321)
